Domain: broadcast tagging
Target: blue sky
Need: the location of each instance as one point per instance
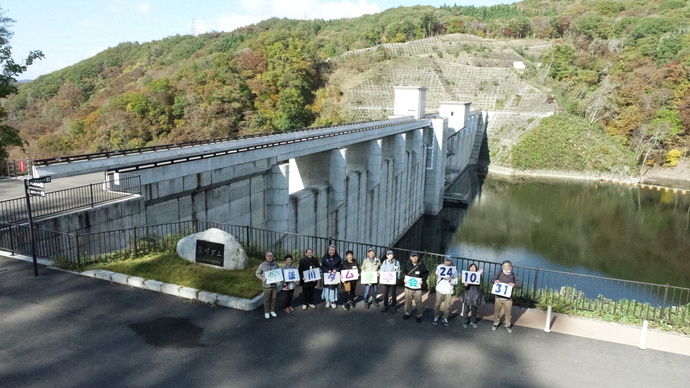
(72, 30)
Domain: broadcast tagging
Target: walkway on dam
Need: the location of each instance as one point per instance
(62, 329)
(11, 188)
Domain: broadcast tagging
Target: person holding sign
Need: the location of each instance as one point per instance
(349, 285)
(472, 296)
(446, 279)
(503, 301)
(269, 288)
(389, 274)
(415, 278)
(330, 264)
(308, 263)
(371, 264)
(290, 283)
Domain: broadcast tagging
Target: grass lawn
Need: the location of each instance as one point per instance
(170, 268)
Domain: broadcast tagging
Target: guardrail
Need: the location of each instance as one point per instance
(130, 151)
(607, 296)
(14, 210)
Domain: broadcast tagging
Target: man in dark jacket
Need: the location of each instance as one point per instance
(415, 276)
(506, 276)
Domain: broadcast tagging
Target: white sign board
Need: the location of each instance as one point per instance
(348, 275)
(331, 278)
(388, 277)
(274, 276)
(502, 289)
(413, 283)
(471, 277)
(291, 275)
(369, 277)
(312, 275)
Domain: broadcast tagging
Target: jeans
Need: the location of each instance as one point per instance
(374, 288)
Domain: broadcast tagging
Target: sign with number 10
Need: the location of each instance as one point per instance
(502, 289)
(471, 277)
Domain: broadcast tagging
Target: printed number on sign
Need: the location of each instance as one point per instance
(446, 271)
(502, 289)
(471, 277)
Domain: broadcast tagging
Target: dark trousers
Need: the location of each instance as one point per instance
(470, 309)
(308, 293)
(350, 295)
(288, 297)
(392, 290)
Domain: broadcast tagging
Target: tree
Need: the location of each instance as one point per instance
(9, 136)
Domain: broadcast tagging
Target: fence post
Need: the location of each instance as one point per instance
(247, 234)
(536, 280)
(136, 247)
(91, 190)
(76, 243)
(663, 304)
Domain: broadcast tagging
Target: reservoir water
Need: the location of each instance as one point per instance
(591, 228)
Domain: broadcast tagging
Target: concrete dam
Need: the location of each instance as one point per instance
(364, 182)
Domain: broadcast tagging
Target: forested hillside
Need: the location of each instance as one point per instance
(618, 69)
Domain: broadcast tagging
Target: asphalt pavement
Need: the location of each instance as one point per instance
(65, 330)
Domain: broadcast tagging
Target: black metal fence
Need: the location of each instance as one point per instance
(607, 296)
(14, 210)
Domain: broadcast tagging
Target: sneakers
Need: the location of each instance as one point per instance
(406, 317)
(509, 329)
(464, 325)
(273, 314)
(304, 307)
(385, 308)
(393, 311)
(312, 306)
(474, 325)
(494, 327)
(366, 306)
(376, 304)
(445, 321)
(267, 315)
(346, 306)
(419, 319)
(435, 322)
(328, 305)
(333, 305)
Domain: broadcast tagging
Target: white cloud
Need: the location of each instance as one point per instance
(144, 7)
(254, 11)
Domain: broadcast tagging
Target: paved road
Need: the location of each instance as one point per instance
(66, 330)
(11, 188)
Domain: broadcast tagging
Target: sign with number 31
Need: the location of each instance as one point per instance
(502, 289)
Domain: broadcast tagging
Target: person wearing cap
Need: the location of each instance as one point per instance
(390, 290)
(349, 286)
(415, 277)
(446, 279)
(506, 275)
(330, 263)
(371, 264)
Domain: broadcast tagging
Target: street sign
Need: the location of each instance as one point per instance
(40, 185)
(35, 192)
(43, 179)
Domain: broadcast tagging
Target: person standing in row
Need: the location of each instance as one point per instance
(471, 299)
(416, 274)
(446, 279)
(505, 276)
(371, 264)
(390, 290)
(331, 263)
(349, 286)
(289, 286)
(269, 289)
(308, 262)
